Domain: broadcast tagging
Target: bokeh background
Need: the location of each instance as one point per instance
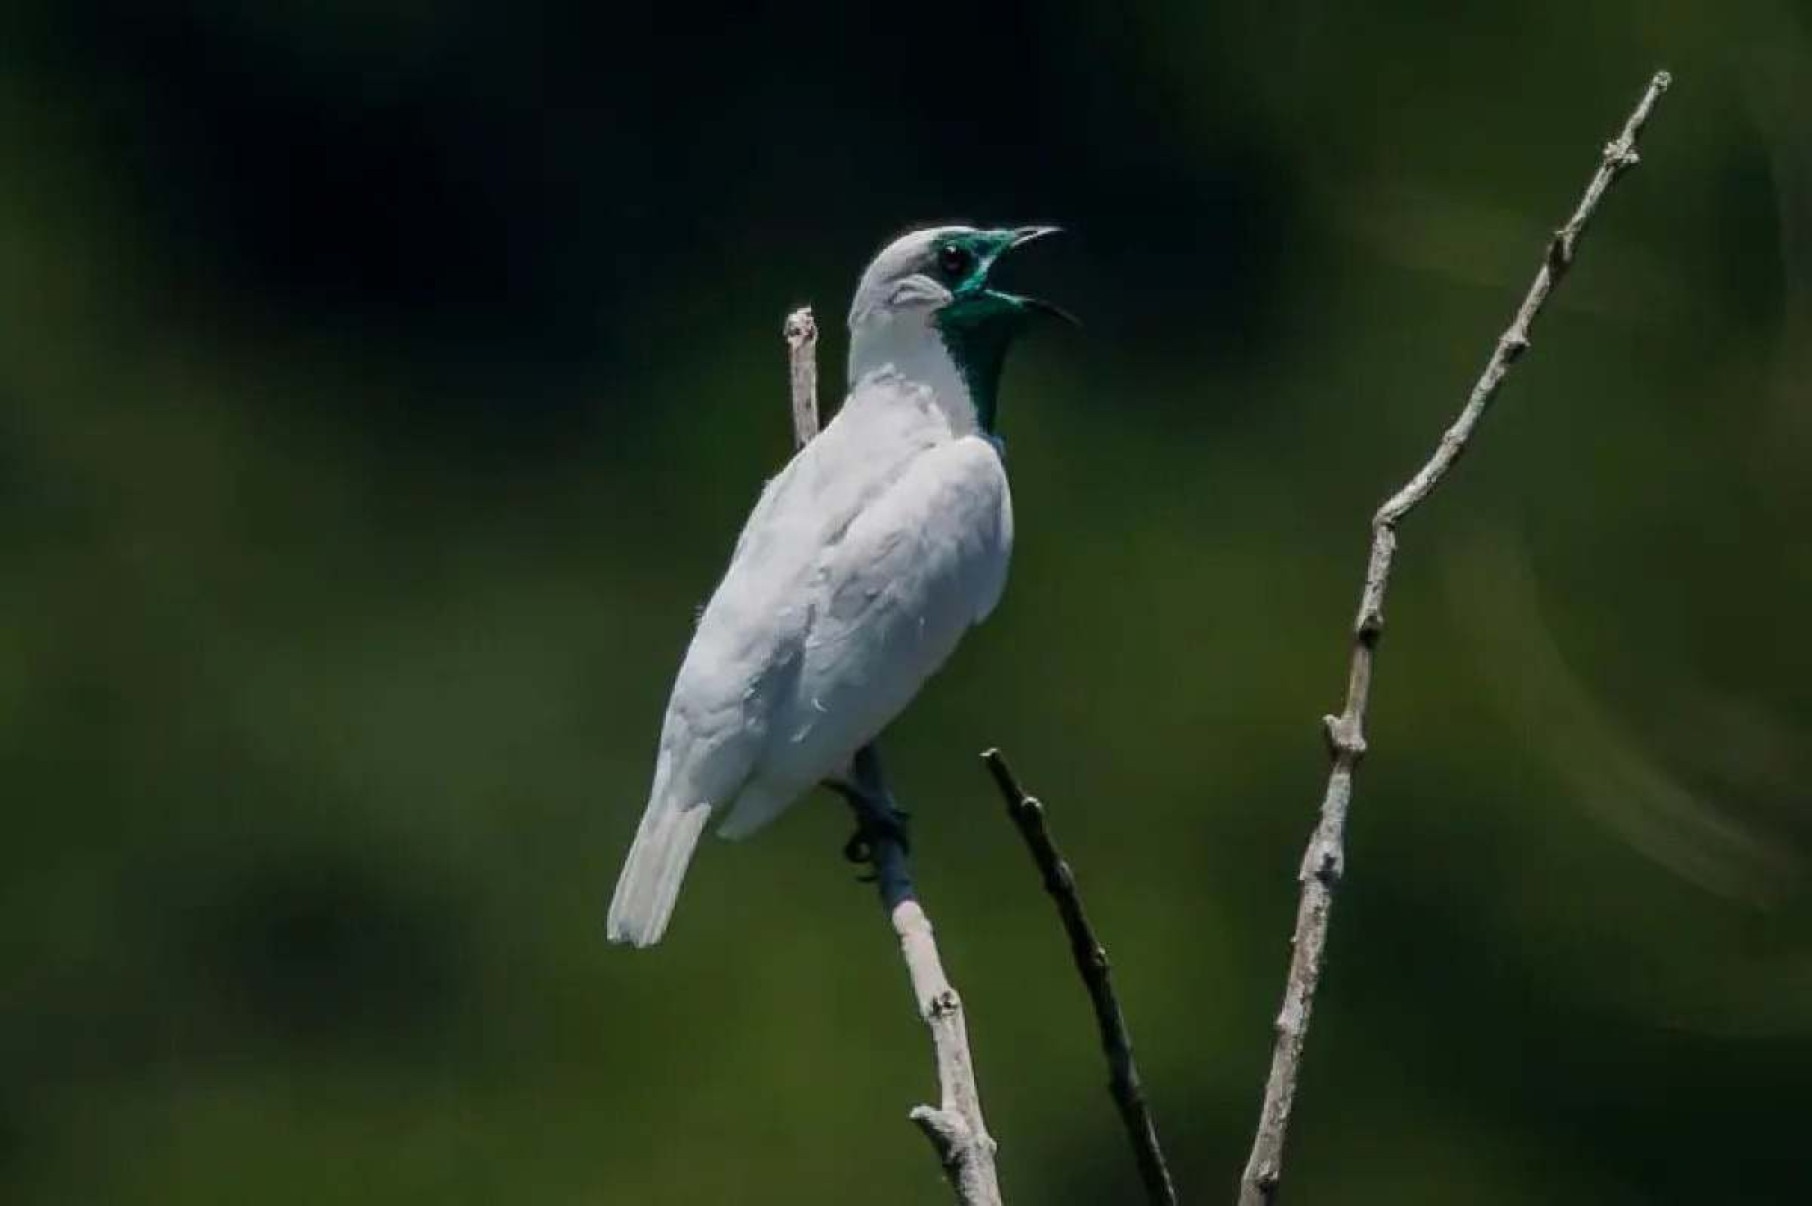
(382, 385)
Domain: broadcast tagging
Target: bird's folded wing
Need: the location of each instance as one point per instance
(920, 564)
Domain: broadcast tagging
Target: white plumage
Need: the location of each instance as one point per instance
(860, 568)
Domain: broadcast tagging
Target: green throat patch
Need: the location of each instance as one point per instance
(977, 328)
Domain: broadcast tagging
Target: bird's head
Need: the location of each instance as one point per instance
(938, 282)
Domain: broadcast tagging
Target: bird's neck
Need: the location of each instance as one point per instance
(911, 347)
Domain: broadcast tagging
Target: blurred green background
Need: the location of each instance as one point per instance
(382, 385)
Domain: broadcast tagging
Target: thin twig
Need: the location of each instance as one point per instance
(801, 332)
(954, 1126)
(1091, 963)
(1324, 861)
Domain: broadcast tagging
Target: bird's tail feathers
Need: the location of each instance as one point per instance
(651, 877)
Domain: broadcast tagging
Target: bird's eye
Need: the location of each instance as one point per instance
(954, 261)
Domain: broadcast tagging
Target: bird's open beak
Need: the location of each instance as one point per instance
(1031, 234)
(1027, 234)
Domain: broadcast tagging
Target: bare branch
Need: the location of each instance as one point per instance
(1091, 963)
(954, 1126)
(1324, 861)
(801, 332)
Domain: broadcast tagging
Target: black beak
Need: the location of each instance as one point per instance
(1031, 234)
(1028, 234)
(1052, 310)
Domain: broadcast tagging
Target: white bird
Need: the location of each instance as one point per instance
(860, 568)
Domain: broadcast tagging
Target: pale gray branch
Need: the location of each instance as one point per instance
(801, 332)
(1324, 861)
(954, 1126)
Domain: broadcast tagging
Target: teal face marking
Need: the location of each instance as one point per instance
(979, 322)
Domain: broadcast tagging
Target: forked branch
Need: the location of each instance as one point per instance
(954, 1126)
(1324, 861)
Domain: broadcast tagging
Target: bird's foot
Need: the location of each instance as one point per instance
(878, 823)
(874, 829)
